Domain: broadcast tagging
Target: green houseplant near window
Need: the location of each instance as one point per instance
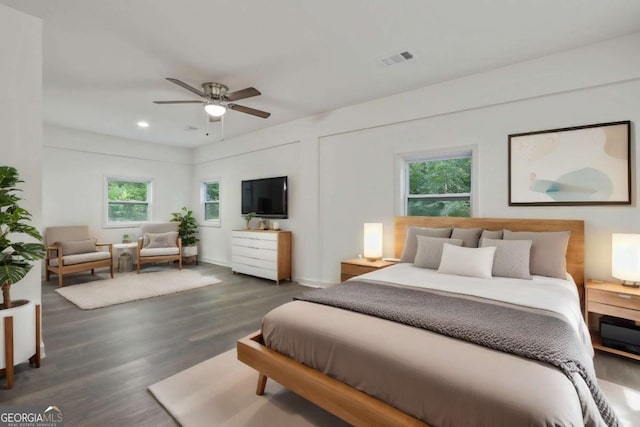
(188, 231)
(16, 258)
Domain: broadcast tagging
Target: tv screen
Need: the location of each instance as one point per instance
(266, 197)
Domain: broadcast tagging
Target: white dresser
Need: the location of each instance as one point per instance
(262, 253)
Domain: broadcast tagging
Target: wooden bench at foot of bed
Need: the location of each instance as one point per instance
(345, 402)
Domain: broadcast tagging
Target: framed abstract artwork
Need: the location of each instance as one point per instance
(582, 165)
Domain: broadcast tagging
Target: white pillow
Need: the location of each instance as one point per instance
(474, 262)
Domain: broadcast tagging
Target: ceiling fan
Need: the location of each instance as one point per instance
(217, 99)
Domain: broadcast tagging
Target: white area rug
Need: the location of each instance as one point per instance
(222, 392)
(131, 286)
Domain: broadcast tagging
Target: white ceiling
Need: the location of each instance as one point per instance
(106, 61)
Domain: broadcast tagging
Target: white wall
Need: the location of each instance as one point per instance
(346, 171)
(77, 162)
(21, 119)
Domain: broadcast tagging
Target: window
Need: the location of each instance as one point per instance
(438, 185)
(128, 200)
(211, 193)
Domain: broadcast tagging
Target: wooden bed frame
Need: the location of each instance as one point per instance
(358, 408)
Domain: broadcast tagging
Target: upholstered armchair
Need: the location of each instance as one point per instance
(159, 242)
(71, 249)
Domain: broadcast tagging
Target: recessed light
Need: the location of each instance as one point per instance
(143, 124)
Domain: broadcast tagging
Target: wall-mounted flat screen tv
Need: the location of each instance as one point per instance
(266, 197)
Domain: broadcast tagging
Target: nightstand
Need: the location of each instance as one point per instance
(611, 299)
(354, 267)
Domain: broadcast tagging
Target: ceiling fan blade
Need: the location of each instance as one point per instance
(242, 94)
(187, 87)
(215, 119)
(248, 110)
(177, 102)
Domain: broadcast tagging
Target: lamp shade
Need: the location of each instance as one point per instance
(214, 109)
(373, 240)
(625, 257)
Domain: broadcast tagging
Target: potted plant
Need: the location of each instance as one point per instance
(188, 231)
(247, 217)
(16, 260)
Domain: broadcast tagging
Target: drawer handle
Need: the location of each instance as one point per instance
(624, 296)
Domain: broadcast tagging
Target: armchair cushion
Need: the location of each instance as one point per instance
(160, 240)
(72, 247)
(159, 251)
(80, 258)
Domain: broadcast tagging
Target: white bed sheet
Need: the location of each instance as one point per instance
(547, 293)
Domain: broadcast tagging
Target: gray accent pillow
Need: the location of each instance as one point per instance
(490, 234)
(548, 251)
(162, 240)
(429, 251)
(411, 243)
(72, 247)
(469, 236)
(512, 257)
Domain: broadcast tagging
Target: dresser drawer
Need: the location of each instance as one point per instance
(254, 235)
(255, 262)
(255, 243)
(268, 254)
(615, 299)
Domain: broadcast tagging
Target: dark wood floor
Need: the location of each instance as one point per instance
(100, 362)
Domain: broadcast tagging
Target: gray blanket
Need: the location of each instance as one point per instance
(526, 334)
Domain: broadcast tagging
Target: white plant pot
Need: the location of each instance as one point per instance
(24, 333)
(188, 251)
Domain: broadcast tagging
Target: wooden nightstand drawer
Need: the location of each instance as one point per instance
(356, 270)
(613, 298)
(354, 267)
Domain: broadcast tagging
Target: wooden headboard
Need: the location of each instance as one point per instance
(575, 251)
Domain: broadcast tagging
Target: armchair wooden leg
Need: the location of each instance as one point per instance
(47, 274)
(93, 271)
(59, 278)
(111, 270)
(180, 264)
(138, 267)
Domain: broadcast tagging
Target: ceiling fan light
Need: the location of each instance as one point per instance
(215, 110)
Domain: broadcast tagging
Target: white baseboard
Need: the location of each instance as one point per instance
(215, 261)
(312, 283)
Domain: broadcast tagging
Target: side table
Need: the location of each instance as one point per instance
(124, 254)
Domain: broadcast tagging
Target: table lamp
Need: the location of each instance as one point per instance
(625, 258)
(372, 241)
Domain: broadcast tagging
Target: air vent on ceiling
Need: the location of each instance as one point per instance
(190, 128)
(405, 56)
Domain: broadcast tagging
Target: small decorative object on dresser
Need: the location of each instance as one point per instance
(247, 217)
(610, 299)
(354, 267)
(262, 253)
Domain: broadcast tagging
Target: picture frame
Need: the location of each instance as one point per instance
(573, 166)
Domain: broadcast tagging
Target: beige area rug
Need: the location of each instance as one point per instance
(131, 286)
(221, 392)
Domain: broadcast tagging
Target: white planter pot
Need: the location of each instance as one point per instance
(188, 251)
(24, 333)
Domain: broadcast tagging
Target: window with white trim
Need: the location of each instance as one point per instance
(128, 200)
(438, 185)
(211, 201)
